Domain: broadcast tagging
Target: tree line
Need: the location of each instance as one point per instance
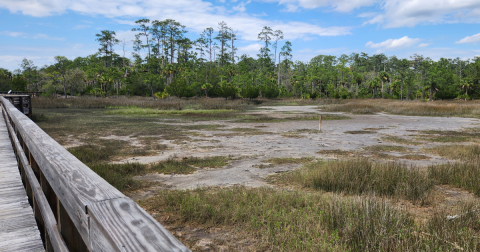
(167, 63)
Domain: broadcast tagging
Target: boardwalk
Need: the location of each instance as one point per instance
(18, 229)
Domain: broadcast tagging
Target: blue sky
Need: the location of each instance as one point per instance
(41, 29)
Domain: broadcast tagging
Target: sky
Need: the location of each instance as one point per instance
(39, 30)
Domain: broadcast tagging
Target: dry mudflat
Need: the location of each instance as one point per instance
(250, 144)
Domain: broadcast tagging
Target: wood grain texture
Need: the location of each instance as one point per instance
(106, 219)
(18, 229)
(49, 220)
(129, 227)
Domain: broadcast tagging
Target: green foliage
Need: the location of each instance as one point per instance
(250, 91)
(172, 64)
(269, 90)
(180, 88)
(227, 90)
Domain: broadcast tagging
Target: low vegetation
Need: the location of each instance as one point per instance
(460, 174)
(394, 148)
(360, 176)
(399, 140)
(301, 221)
(284, 160)
(188, 165)
(411, 108)
(456, 151)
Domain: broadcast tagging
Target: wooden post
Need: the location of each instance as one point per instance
(70, 234)
(320, 124)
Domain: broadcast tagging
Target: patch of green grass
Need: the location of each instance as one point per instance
(189, 165)
(399, 140)
(244, 129)
(446, 139)
(374, 129)
(292, 135)
(384, 156)
(456, 151)
(203, 127)
(151, 144)
(311, 131)
(360, 132)
(415, 157)
(264, 166)
(138, 111)
(171, 166)
(336, 152)
(118, 175)
(394, 148)
(121, 175)
(354, 108)
(448, 136)
(259, 118)
(244, 132)
(299, 133)
(289, 160)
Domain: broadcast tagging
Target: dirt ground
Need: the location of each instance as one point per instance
(292, 139)
(250, 144)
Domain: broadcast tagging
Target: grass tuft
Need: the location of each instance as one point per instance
(360, 132)
(360, 176)
(461, 174)
(394, 148)
(289, 160)
(456, 151)
(189, 165)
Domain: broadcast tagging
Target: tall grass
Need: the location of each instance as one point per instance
(460, 174)
(170, 103)
(457, 151)
(301, 221)
(413, 108)
(362, 176)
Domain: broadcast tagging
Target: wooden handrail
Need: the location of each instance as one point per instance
(91, 214)
(53, 239)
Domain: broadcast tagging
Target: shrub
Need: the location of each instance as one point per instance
(180, 88)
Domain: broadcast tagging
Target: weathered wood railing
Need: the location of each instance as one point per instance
(75, 209)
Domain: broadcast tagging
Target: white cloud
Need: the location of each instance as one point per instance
(332, 50)
(424, 45)
(394, 44)
(469, 39)
(401, 13)
(241, 6)
(335, 5)
(250, 50)
(25, 35)
(45, 36)
(195, 14)
(77, 27)
(41, 55)
(291, 8)
(12, 34)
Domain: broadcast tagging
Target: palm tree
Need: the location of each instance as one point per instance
(467, 84)
(384, 77)
(375, 83)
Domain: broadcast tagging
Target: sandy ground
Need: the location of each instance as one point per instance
(250, 150)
